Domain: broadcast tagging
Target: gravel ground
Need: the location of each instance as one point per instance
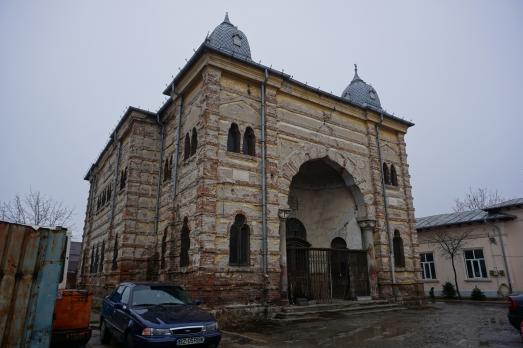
(439, 325)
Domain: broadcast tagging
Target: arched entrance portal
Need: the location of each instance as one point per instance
(324, 240)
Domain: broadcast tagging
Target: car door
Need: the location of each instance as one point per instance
(108, 310)
(120, 315)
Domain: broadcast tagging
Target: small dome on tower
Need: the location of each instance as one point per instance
(228, 38)
(360, 92)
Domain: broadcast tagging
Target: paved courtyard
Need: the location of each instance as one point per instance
(439, 325)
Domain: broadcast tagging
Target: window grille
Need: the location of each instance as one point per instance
(194, 141)
(397, 245)
(187, 147)
(239, 243)
(393, 176)
(249, 142)
(185, 242)
(233, 139)
(386, 176)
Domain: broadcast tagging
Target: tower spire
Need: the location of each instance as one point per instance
(226, 19)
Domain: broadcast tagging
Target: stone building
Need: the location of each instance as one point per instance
(248, 186)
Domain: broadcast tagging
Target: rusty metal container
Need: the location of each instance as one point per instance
(72, 314)
(31, 265)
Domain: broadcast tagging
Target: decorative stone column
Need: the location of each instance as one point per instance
(283, 213)
(367, 238)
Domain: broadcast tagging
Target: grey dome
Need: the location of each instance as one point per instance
(360, 92)
(228, 38)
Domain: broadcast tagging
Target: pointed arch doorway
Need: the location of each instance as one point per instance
(324, 244)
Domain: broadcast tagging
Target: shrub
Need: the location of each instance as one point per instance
(477, 294)
(448, 290)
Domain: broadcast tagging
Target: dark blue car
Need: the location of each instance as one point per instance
(156, 315)
(515, 312)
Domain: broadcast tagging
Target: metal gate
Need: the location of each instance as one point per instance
(322, 274)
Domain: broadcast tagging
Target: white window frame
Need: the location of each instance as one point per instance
(426, 265)
(477, 261)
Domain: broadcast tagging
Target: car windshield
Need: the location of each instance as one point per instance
(159, 295)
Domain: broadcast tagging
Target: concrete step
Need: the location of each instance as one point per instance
(314, 313)
(335, 305)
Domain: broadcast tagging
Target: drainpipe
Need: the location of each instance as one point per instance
(174, 174)
(264, 176)
(384, 193)
(159, 186)
(116, 188)
(498, 230)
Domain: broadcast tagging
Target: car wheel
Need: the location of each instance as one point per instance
(105, 335)
(129, 343)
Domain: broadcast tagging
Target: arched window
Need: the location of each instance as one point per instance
(164, 248)
(296, 234)
(185, 242)
(194, 141)
(115, 253)
(187, 147)
(249, 142)
(239, 244)
(123, 178)
(109, 193)
(167, 169)
(393, 176)
(233, 139)
(386, 176)
(397, 245)
(102, 257)
(338, 243)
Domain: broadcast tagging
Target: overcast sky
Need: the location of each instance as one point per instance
(69, 69)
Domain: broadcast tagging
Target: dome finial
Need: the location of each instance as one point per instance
(356, 76)
(226, 19)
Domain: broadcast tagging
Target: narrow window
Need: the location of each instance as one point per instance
(102, 256)
(428, 270)
(123, 178)
(91, 266)
(187, 147)
(249, 142)
(115, 253)
(194, 141)
(164, 248)
(109, 193)
(393, 176)
(475, 264)
(167, 170)
(397, 245)
(386, 176)
(96, 257)
(239, 244)
(233, 139)
(185, 244)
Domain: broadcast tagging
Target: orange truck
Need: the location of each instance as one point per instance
(72, 313)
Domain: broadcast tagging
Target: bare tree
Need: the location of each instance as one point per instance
(36, 209)
(451, 244)
(479, 198)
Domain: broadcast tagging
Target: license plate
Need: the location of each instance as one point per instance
(189, 340)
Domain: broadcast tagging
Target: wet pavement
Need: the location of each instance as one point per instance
(439, 325)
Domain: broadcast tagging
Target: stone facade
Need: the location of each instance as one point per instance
(140, 225)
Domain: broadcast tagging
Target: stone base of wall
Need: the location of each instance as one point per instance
(410, 294)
